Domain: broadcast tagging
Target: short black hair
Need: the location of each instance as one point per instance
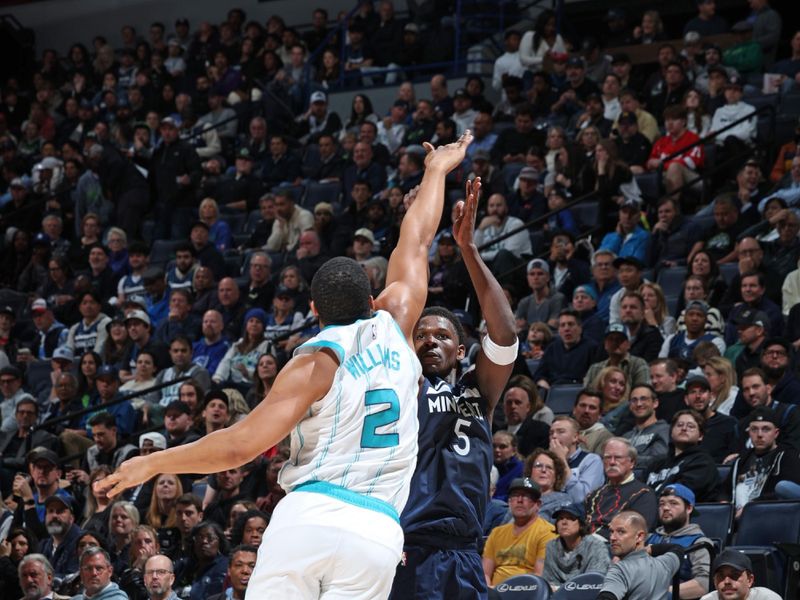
(439, 311)
(341, 291)
(103, 418)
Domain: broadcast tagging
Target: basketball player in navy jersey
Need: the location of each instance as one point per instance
(349, 399)
(443, 518)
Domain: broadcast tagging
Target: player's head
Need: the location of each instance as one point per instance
(439, 341)
(341, 292)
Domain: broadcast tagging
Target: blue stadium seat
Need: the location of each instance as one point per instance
(724, 471)
(672, 305)
(235, 221)
(587, 214)
(671, 280)
(162, 251)
(715, 519)
(297, 191)
(729, 271)
(760, 100)
(252, 221)
(523, 587)
(790, 104)
(533, 364)
(762, 526)
(37, 377)
(561, 398)
(510, 173)
(581, 587)
(650, 184)
(322, 192)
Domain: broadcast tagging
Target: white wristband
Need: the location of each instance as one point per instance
(500, 355)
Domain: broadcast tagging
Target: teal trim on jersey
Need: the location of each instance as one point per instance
(340, 493)
(334, 429)
(327, 344)
(353, 323)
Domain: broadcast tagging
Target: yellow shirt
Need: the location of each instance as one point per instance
(517, 554)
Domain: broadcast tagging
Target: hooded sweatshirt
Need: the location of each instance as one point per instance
(694, 468)
(110, 592)
(698, 564)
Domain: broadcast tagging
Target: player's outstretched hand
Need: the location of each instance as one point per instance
(129, 474)
(447, 157)
(466, 212)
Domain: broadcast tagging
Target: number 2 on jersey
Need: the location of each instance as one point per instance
(370, 438)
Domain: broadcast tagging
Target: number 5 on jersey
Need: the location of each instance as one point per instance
(461, 447)
(385, 418)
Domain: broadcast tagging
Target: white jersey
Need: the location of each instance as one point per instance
(359, 442)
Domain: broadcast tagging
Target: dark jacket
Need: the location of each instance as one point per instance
(785, 466)
(64, 559)
(16, 461)
(170, 162)
(562, 365)
(532, 434)
(647, 343)
(694, 468)
(721, 436)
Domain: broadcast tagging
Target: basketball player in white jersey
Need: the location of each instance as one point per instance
(348, 398)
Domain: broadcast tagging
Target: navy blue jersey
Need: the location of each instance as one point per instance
(450, 487)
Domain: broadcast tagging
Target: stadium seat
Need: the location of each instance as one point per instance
(671, 280)
(510, 174)
(650, 184)
(715, 519)
(587, 214)
(762, 526)
(297, 191)
(729, 271)
(235, 221)
(672, 304)
(581, 587)
(252, 221)
(761, 100)
(37, 377)
(162, 251)
(322, 192)
(724, 471)
(533, 364)
(790, 104)
(561, 398)
(523, 587)
(233, 265)
(765, 129)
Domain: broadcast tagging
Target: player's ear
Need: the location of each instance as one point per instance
(462, 351)
(372, 304)
(313, 308)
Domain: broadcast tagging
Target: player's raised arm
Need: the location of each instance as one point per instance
(496, 359)
(407, 275)
(304, 380)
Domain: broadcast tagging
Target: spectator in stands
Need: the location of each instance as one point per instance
(753, 288)
(317, 120)
(739, 138)
(542, 40)
(509, 62)
(682, 169)
(62, 533)
(512, 144)
(207, 566)
(259, 289)
(11, 393)
(208, 351)
(706, 23)
(587, 411)
(721, 379)
(646, 123)
(237, 192)
(175, 174)
(686, 463)
(543, 304)
(697, 121)
(576, 89)
(231, 306)
(757, 392)
(178, 424)
(574, 551)
(672, 236)
(765, 470)
(180, 320)
(96, 570)
(158, 577)
(506, 253)
(90, 332)
(280, 166)
(676, 86)
(180, 352)
(205, 251)
(617, 344)
(649, 435)
(139, 332)
(14, 444)
(719, 241)
(180, 274)
(720, 437)
(364, 168)
(108, 448)
(751, 329)
(733, 578)
(621, 491)
(526, 415)
(238, 364)
(547, 471)
(646, 339)
(144, 377)
(629, 275)
(681, 344)
(566, 359)
(583, 471)
(776, 359)
(629, 239)
(604, 281)
(499, 561)
(664, 375)
(32, 573)
(675, 506)
(157, 299)
(568, 272)
(781, 255)
(766, 25)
